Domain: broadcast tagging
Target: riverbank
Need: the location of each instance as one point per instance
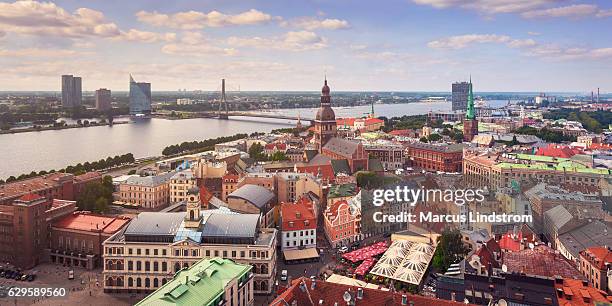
(53, 128)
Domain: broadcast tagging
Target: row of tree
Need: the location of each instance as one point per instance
(96, 196)
(81, 168)
(592, 121)
(256, 151)
(191, 146)
(545, 134)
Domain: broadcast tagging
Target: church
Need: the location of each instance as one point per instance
(330, 147)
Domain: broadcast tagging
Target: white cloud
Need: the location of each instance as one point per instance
(291, 41)
(46, 18)
(576, 10)
(489, 7)
(529, 47)
(462, 41)
(310, 23)
(604, 13)
(534, 33)
(192, 20)
(37, 52)
(146, 37)
(195, 44)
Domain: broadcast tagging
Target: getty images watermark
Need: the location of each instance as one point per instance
(460, 197)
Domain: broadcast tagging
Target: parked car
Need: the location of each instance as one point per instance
(284, 275)
(343, 249)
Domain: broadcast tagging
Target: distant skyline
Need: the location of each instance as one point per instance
(394, 45)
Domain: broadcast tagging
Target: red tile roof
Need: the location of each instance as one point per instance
(327, 172)
(370, 121)
(575, 293)
(486, 257)
(83, 221)
(597, 256)
(35, 184)
(302, 293)
(512, 242)
(30, 197)
(345, 121)
(85, 177)
(300, 214)
(542, 261)
(555, 150)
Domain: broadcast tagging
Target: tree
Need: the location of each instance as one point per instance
(278, 156)
(450, 249)
(434, 137)
(256, 152)
(369, 180)
(423, 139)
(97, 195)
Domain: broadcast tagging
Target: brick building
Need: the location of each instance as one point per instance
(76, 239)
(594, 264)
(64, 186)
(436, 157)
(24, 228)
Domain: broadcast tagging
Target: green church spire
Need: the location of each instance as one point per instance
(471, 113)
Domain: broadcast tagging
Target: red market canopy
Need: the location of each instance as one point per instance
(366, 252)
(365, 266)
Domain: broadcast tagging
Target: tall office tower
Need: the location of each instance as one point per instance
(103, 99)
(72, 94)
(460, 95)
(140, 98)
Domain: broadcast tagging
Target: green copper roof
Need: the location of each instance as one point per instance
(202, 284)
(471, 112)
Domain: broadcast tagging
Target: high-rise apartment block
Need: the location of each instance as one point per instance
(103, 99)
(460, 95)
(72, 94)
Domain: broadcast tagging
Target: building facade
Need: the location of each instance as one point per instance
(460, 92)
(103, 99)
(140, 98)
(594, 265)
(215, 281)
(180, 183)
(72, 95)
(24, 228)
(76, 239)
(391, 155)
(156, 245)
(299, 225)
(151, 192)
(436, 157)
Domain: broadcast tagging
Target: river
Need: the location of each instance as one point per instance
(56, 149)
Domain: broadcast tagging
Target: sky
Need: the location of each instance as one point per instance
(361, 45)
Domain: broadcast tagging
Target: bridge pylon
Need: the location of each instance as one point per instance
(223, 109)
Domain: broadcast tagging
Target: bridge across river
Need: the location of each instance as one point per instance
(265, 115)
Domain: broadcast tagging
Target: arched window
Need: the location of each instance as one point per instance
(138, 282)
(147, 266)
(164, 266)
(155, 283)
(177, 267)
(130, 282)
(155, 266)
(147, 282)
(191, 215)
(138, 266)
